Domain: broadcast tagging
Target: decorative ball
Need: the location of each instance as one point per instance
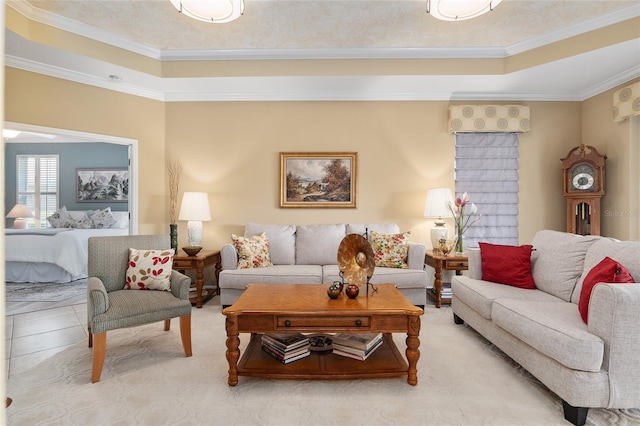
(333, 291)
(340, 285)
(352, 291)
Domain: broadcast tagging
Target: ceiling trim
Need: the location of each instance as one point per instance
(81, 29)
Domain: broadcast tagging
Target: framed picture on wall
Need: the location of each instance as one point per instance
(318, 179)
(102, 185)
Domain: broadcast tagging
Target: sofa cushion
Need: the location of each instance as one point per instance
(480, 295)
(509, 265)
(282, 241)
(382, 228)
(553, 328)
(253, 252)
(390, 250)
(557, 262)
(627, 253)
(277, 274)
(607, 271)
(318, 244)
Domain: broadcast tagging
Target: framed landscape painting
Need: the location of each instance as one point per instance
(106, 185)
(318, 179)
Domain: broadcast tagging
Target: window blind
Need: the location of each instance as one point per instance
(37, 186)
(486, 167)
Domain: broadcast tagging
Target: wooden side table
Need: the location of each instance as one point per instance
(198, 263)
(440, 263)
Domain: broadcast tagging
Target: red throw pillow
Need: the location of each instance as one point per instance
(507, 265)
(607, 271)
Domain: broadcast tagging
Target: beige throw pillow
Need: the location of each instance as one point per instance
(390, 250)
(253, 252)
(149, 269)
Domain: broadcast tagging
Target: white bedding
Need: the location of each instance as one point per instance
(59, 257)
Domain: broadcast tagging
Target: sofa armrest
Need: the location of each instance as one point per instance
(228, 257)
(475, 263)
(613, 316)
(180, 285)
(415, 256)
(97, 298)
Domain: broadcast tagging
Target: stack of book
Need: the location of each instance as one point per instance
(286, 347)
(356, 346)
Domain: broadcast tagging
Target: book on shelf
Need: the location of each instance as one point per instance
(361, 341)
(286, 359)
(355, 353)
(286, 341)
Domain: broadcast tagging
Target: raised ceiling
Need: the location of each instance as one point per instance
(331, 50)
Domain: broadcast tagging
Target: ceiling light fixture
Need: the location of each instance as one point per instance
(215, 11)
(459, 10)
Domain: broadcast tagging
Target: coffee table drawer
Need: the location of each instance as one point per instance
(284, 322)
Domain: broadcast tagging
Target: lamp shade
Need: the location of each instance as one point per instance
(195, 206)
(436, 203)
(459, 10)
(213, 11)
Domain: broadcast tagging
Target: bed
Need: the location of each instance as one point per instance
(56, 255)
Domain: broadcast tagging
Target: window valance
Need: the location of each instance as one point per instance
(626, 102)
(489, 118)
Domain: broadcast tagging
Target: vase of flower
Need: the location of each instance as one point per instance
(463, 219)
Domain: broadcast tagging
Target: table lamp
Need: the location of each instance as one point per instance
(436, 206)
(19, 212)
(194, 209)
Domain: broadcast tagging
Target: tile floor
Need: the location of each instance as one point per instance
(31, 337)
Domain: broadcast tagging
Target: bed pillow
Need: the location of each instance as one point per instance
(253, 252)
(390, 250)
(149, 269)
(607, 271)
(61, 218)
(509, 265)
(103, 219)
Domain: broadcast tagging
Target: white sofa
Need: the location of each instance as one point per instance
(587, 365)
(307, 254)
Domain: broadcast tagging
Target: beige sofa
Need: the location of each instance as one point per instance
(587, 365)
(307, 254)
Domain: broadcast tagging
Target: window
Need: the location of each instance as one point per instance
(487, 169)
(37, 186)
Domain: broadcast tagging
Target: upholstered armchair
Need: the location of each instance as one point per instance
(110, 306)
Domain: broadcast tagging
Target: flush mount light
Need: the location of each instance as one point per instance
(459, 10)
(215, 11)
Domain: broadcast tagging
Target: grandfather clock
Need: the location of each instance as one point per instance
(583, 187)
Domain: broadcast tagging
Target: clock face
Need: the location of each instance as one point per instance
(583, 178)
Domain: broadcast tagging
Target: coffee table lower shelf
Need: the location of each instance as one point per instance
(386, 361)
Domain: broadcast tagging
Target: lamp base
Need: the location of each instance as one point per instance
(19, 223)
(194, 232)
(438, 233)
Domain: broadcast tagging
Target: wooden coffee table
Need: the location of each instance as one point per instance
(306, 308)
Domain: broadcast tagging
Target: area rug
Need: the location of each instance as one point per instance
(147, 380)
(44, 292)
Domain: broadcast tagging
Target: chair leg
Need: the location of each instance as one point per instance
(185, 333)
(167, 324)
(90, 338)
(98, 356)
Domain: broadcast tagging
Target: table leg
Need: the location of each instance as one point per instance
(413, 351)
(199, 282)
(233, 353)
(438, 283)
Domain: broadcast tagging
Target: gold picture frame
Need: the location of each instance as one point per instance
(318, 179)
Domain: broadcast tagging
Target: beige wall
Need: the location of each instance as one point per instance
(231, 151)
(614, 140)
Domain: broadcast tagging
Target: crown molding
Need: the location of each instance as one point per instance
(96, 34)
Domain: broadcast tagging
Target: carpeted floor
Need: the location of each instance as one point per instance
(146, 380)
(44, 292)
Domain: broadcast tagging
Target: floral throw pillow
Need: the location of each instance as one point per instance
(390, 250)
(253, 252)
(149, 269)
